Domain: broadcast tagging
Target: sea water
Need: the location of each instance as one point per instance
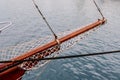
(65, 15)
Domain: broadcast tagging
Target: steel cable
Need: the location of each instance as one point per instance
(99, 10)
(63, 57)
(55, 36)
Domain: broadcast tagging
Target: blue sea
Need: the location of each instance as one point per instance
(65, 15)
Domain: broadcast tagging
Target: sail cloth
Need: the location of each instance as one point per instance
(35, 49)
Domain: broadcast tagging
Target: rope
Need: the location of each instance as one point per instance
(64, 57)
(9, 23)
(99, 10)
(10, 66)
(55, 36)
(17, 62)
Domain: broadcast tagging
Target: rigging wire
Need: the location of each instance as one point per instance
(64, 57)
(99, 10)
(17, 62)
(55, 36)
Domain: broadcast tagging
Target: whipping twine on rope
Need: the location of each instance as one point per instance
(3, 28)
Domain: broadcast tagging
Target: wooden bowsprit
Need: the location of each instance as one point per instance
(15, 70)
